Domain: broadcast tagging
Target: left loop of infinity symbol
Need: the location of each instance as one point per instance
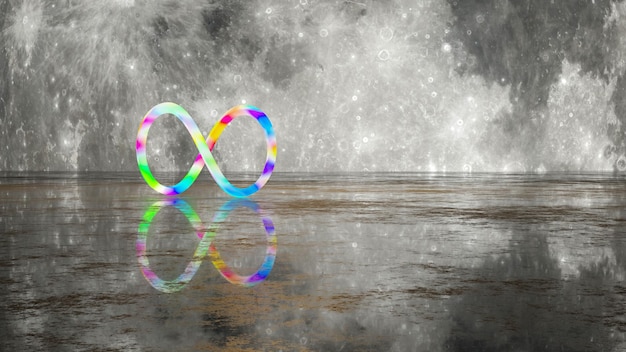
(205, 246)
(205, 147)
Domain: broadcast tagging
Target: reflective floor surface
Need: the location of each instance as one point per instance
(351, 262)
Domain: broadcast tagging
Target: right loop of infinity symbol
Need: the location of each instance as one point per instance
(204, 148)
(206, 237)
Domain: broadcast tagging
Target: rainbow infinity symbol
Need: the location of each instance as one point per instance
(205, 147)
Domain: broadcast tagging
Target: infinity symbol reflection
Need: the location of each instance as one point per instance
(205, 245)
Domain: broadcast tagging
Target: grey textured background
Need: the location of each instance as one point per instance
(350, 85)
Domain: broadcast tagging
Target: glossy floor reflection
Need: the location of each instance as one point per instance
(387, 262)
